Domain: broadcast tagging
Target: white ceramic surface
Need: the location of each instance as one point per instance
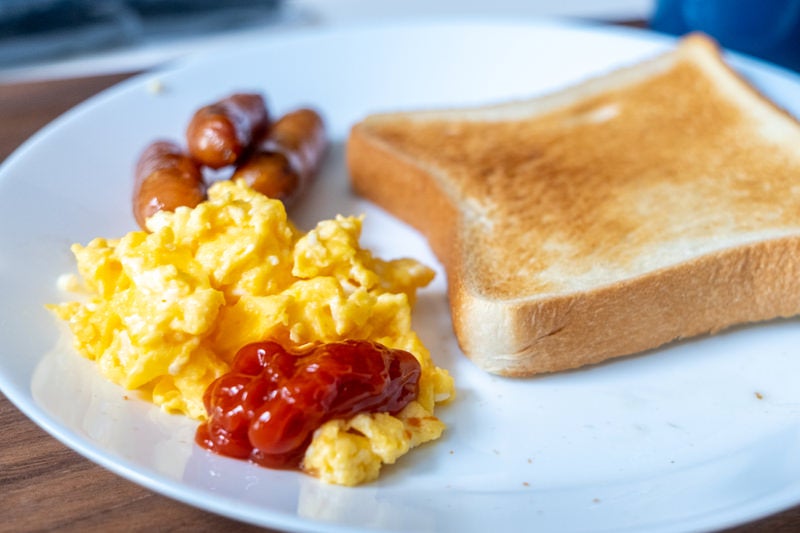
(698, 435)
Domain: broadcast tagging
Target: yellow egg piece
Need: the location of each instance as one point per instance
(165, 312)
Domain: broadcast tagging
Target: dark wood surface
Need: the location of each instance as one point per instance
(45, 486)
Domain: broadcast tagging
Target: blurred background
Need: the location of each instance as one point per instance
(53, 38)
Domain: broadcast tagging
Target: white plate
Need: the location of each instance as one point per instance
(700, 434)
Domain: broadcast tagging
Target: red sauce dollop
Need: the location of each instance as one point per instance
(271, 402)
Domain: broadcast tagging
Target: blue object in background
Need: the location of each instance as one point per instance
(768, 29)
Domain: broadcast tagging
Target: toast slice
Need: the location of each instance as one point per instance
(655, 202)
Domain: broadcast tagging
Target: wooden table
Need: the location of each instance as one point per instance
(43, 485)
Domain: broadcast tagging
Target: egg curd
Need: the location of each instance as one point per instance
(165, 312)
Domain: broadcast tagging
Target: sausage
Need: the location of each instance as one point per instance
(165, 178)
(287, 158)
(219, 134)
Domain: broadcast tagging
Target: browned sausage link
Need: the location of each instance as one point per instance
(220, 133)
(288, 158)
(166, 178)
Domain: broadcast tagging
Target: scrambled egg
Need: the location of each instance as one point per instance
(166, 311)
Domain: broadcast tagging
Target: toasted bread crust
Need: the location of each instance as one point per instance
(560, 253)
(402, 188)
(746, 284)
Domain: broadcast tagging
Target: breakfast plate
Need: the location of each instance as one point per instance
(700, 434)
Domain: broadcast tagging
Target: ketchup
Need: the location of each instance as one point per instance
(268, 406)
